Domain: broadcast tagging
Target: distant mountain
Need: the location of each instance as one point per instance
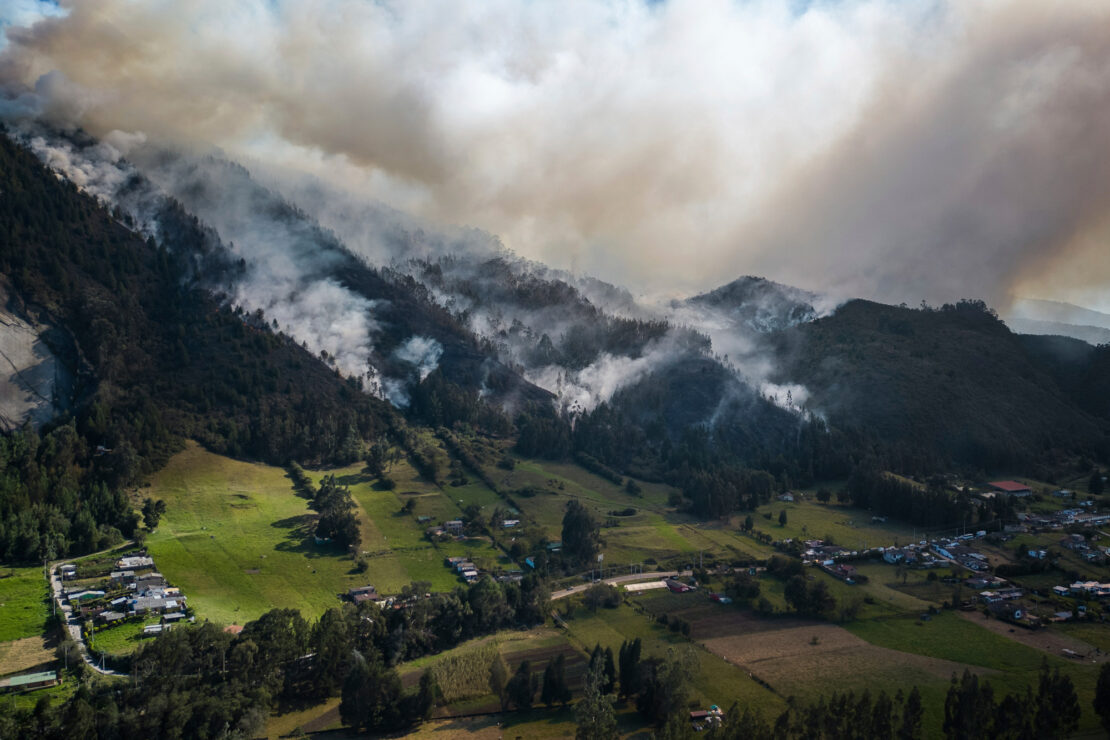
(1090, 334)
(1058, 312)
(759, 305)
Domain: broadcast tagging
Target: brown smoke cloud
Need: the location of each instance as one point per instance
(900, 150)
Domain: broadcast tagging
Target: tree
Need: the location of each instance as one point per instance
(1057, 706)
(610, 672)
(580, 534)
(594, 712)
(522, 687)
(152, 512)
(1102, 696)
(371, 695)
(823, 495)
(782, 518)
(749, 523)
(912, 713)
(498, 678)
(629, 663)
(1095, 485)
(424, 703)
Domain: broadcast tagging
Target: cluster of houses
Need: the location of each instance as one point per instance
(465, 569)
(453, 528)
(1083, 589)
(134, 589)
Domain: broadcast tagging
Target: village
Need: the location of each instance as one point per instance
(109, 600)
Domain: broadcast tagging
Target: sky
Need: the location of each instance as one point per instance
(896, 150)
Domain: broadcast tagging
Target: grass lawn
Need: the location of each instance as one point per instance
(23, 602)
(123, 639)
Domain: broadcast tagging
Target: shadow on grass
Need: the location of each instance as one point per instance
(300, 537)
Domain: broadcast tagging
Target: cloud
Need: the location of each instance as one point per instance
(898, 150)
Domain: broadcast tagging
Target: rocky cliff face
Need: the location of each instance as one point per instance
(35, 385)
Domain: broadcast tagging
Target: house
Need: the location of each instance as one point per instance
(1060, 590)
(1002, 610)
(510, 523)
(67, 571)
(894, 556)
(435, 532)
(453, 527)
(720, 598)
(1011, 488)
(29, 681)
(454, 560)
(878, 520)
(174, 616)
(1063, 493)
(84, 596)
(363, 594)
(122, 576)
(677, 587)
(144, 604)
(554, 546)
(787, 497)
(135, 562)
(111, 617)
(152, 629)
(1075, 542)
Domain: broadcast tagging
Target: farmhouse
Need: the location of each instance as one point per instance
(29, 681)
(67, 571)
(678, 587)
(363, 594)
(454, 527)
(1011, 488)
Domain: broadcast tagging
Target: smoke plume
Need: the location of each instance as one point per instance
(897, 150)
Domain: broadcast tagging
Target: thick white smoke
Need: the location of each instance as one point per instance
(900, 150)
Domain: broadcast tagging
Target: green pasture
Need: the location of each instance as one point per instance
(23, 602)
(238, 541)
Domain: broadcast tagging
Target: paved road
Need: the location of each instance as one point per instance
(73, 624)
(635, 577)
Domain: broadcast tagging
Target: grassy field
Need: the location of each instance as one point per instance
(716, 682)
(238, 540)
(122, 639)
(25, 654)
(23, 602)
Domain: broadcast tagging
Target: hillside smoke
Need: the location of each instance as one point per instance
(929, 149)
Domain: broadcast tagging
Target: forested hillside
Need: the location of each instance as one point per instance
(942, 386)
(161, 359)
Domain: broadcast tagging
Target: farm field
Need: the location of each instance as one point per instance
(716, 681)
(19, 656)
(23, 602)
(847, 526)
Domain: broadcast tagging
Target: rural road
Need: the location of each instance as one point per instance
(73, 624)
(635, 577)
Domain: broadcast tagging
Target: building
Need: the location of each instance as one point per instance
(363, 594)
(1011, 488)
(29, 681)
(453, 527)
(135, 562)
(677, 587)
(67, 571)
